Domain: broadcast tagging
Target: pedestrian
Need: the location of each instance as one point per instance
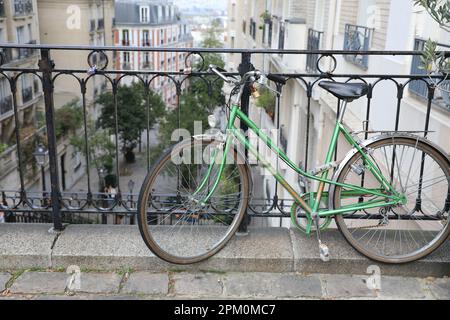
(3, 214)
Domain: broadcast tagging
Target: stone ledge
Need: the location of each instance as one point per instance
(112, 247)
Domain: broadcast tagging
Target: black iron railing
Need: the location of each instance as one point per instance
(82, 206)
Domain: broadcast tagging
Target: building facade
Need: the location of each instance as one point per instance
(152, 24)
(340, 24)
(19, 23)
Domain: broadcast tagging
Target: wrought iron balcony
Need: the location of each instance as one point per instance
(68, 206)
(357, 38)
(420, 88)
(23, 7)
(314, 42)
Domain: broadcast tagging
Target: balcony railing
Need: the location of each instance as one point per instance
(23, 7)
(70, 205)
(314, 41)
(357, 38)
(420, 88)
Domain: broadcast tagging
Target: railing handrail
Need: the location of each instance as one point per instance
(215, 50)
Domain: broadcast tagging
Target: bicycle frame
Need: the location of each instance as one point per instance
(389, 196)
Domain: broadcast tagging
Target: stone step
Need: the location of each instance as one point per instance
(113, 247)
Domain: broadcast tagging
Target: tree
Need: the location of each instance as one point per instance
(68, 119)
(101, 149)
(131, 114)
(201, 98)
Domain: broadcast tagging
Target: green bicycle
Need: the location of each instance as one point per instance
(389, 197)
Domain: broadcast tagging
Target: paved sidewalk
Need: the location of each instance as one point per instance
(49, 284)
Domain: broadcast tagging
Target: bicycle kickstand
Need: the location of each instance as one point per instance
(323, 248)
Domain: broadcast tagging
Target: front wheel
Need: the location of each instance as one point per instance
(173, 221)
(406, 232)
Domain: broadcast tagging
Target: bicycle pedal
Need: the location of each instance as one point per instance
(324, 252)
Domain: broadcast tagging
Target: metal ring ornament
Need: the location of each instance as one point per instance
(331, 70)
(186, 63)
(100, 53)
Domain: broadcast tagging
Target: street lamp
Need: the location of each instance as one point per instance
(102, 175)
(40, 154)
(102, 172)
(130, 187)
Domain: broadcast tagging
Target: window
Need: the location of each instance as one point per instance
(232, 42)
(244, 26)
(144, 11)
(125, 38)
(146, 38)
(21, 35)
(162, 36)
(126, 58)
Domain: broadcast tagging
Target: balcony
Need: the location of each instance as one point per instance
(314, 42)
(23, 8)
(357, 38)
(420, 88)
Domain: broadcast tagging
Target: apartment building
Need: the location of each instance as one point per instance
(79, 22)
(19, 24)
(338, 24)
(153, 24)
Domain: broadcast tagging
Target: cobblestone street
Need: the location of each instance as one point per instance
(50, 284)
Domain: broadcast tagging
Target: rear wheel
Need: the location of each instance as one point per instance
(174, 223)
(406, 232)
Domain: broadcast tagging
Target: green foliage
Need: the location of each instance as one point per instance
(100, 147)
(200, 99)
(439, 10)
(3, 147)
(266, 100)
(131, 113)
(265, 16)
(68, 119)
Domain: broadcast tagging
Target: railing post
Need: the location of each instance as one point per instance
(46, 67)
(243, 68)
